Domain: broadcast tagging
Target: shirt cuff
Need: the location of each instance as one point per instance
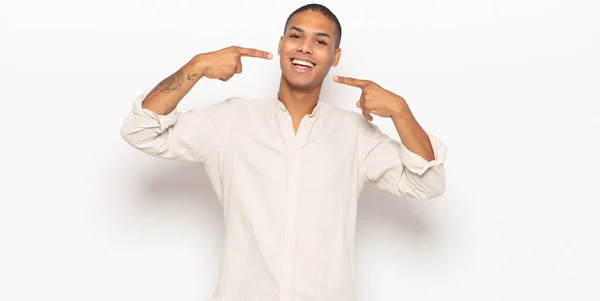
(160, 122)
(416, 163)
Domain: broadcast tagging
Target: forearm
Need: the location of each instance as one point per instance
(412, 135)
(165, 97)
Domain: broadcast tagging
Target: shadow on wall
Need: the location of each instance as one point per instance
(409, 216)
(178, 180)
(183, 191)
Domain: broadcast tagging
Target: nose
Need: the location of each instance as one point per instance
(306, 46)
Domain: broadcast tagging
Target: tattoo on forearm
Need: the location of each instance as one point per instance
(170, 84)
(192, 76)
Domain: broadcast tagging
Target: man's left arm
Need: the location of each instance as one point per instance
(413, 166)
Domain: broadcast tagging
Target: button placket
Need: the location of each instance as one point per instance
(297, 142)
(290, 222)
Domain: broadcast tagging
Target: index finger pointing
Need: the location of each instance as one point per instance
(254, 53)
(350, 81)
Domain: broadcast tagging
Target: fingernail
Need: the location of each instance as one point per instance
(270, 56)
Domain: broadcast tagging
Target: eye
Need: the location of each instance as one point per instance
(322, 42)
(295, 36)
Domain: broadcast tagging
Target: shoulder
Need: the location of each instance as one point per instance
(340, 114)
(246, 103)
(368, 134)
(240, 110)
(230, 105)
(353, 119)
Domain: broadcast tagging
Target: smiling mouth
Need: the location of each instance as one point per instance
(303, 63)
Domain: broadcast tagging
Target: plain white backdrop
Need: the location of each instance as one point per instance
(512, 88)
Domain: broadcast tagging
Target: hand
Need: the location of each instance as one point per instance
(225, 63)
(375, 99)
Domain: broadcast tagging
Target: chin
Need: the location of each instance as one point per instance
(302, 84)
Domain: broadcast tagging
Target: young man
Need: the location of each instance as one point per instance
(289, 169)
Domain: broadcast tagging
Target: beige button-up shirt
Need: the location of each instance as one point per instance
(289, 200)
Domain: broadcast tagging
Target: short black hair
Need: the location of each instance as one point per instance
(325, 12)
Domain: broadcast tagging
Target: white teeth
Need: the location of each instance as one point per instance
(303, 63)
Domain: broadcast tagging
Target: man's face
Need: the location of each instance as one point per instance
(307, 50)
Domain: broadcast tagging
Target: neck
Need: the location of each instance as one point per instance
(298, 102)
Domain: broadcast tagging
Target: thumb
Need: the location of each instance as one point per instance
(367, 115)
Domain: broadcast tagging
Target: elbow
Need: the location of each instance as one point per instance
(138, 136)
(127, 133)
(144, 130)
(432, 191)
(430, 185)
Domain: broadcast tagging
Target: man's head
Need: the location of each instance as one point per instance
(309, 46)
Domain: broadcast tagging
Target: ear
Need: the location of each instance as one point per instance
(336, 56)
(280, 45)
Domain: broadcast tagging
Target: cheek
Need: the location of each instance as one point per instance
(288, 46)
(326, 59)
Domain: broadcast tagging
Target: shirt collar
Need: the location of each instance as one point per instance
(280, 107)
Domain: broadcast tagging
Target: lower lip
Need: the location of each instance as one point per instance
(301, 69)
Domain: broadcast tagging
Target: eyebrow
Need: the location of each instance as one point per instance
(323, 34)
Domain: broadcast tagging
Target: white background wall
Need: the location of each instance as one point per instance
(512, 87)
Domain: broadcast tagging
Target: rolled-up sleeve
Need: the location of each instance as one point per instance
(186, 136)
(389, 165)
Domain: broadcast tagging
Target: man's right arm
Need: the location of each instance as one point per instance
(221, 64)
(155, 127)
(163, 99)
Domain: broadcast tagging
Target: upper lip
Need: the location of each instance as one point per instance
(304, 59)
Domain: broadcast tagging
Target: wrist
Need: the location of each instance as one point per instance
(401, 112)
(199, 65)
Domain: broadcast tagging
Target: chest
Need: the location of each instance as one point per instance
(314, 154)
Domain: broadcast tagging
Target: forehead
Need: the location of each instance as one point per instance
(312, 21)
